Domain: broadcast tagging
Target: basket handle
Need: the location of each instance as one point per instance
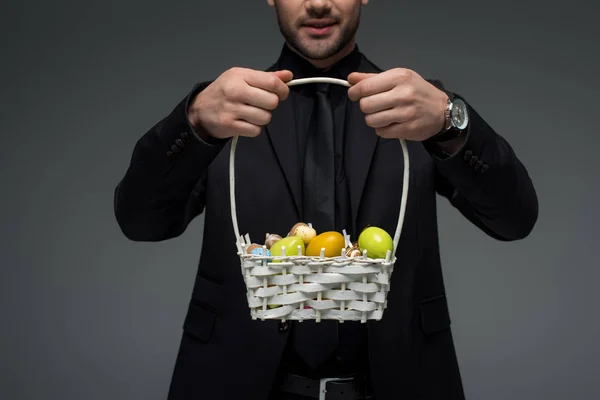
(334, 81)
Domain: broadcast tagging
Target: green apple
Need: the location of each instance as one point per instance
(375, 241)
(291, 244)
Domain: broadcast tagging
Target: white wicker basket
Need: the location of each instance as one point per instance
(315, 288)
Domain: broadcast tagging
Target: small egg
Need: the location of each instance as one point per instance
(305, 232)
(271, 239)
(252, 247)
(292, 231)
(353, 251)
(259, 251)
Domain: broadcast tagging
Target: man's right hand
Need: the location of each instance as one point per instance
(239, 102)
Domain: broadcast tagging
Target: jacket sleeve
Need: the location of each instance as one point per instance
(487, 183)
(163, 189)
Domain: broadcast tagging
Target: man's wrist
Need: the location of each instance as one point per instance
(447, 132)
(456, 121)
(451, 139)
(194, 121)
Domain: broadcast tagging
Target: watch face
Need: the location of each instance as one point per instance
(460, 117)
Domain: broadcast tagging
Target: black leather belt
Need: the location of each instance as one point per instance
(350, 388)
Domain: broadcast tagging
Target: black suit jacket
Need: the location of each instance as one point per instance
(174, 176)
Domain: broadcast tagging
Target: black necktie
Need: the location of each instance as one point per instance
(315, 342)
(319, 167)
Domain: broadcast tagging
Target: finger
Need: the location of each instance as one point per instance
(285, 75)
(372, 85)
(381, 119)
(400, 130)
(353, 79)
(392, 131)
(245, 128)
(378, 102)
(253, 115)
(267, 81)
(356, 77)
(259, 98)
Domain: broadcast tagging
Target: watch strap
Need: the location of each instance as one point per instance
(449, 132)
(445, 136)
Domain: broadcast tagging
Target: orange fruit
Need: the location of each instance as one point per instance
(332, 241)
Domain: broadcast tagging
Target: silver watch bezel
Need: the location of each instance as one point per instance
(461, 106)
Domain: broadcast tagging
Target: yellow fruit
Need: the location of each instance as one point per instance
(332, 241)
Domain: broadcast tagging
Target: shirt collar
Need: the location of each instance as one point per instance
(302, 68)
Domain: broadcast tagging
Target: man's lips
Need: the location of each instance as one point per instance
(321, 27)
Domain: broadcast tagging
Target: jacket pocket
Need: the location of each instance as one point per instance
(199, 323)
(435, 316)
(208, 293)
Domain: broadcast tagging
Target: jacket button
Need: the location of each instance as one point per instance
(184, 136)
(284, 326)
(484, 168)
(175, 149)
(468, 154)
(473, 161)
(169, 154)
(180, 143)
(478, 165)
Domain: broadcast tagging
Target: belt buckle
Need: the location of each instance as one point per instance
(323, 385)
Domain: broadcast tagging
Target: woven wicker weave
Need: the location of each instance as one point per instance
(316, 288)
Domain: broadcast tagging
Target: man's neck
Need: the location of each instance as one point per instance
(328, 62)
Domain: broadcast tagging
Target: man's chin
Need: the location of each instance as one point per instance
(317, 50)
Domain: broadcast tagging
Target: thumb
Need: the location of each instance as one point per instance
(354, 92)
(356, 77)
(285, 75)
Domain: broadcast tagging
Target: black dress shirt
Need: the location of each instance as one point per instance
(351, 356)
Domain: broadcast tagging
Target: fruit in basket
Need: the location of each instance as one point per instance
(271, 239)
(376, 241)
(332, 241)
(291, 244)
(304, 231)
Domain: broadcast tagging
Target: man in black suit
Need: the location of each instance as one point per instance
(329, 155)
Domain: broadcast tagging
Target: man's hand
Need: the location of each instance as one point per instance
(399, 103)
(239, 102)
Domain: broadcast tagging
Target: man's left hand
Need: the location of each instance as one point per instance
(399, 103)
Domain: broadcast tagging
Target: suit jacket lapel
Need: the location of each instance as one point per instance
(361, 141)
(284, 139)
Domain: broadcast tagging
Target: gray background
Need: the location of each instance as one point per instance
(86, 314)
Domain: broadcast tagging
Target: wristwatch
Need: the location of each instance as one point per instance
(457, 120)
